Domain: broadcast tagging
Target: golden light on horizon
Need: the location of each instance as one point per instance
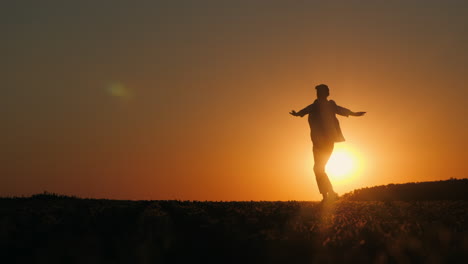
(344, 165)
(193, 103)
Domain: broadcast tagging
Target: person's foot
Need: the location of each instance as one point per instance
(333, 196)
(325, 198)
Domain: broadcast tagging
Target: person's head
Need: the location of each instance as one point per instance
(322, 91)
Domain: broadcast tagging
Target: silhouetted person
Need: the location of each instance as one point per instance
(325, 131)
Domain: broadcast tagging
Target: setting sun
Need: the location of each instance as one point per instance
(343, 165)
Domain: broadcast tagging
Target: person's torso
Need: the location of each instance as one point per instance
(324, 126)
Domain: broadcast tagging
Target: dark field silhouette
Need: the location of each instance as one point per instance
(50, 228)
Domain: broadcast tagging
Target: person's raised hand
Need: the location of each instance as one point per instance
(294, 113)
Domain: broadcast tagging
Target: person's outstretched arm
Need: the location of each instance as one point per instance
(346, 112)
(301, 113)
(358, 113)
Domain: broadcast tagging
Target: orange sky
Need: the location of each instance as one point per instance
(161, 100)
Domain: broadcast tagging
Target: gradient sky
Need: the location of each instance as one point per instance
(189, 99)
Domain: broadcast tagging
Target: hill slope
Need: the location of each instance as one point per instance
(452, 189)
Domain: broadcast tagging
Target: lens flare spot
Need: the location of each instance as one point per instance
(119, 90)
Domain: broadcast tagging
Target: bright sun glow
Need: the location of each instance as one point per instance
(343, 165)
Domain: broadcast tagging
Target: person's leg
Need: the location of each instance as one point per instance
(327, 151)
(319, 169)
(322, 154)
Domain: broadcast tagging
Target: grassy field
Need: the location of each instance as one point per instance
(56, 229)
